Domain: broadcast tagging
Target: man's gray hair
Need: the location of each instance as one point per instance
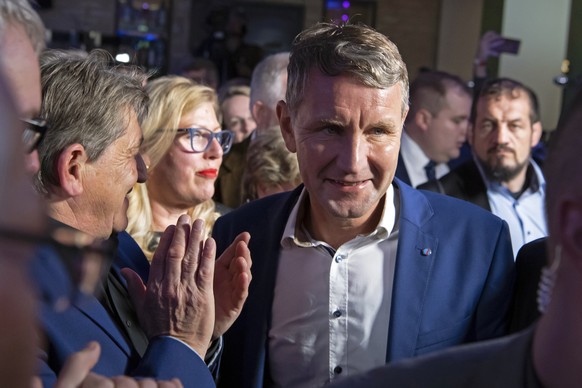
(350, 49)
(19, 12)
(88, 100)
(266, 85)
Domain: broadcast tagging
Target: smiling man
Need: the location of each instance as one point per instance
(355, 268)
(503, 178)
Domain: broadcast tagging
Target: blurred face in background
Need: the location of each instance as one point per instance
(237, 117)
(447, 130)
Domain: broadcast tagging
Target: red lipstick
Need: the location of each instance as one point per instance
(209, 173)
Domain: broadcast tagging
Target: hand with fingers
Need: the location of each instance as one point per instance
(232, 276)
(76, 373)
(488, 45)
(178, 299)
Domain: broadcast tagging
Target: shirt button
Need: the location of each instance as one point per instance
(339, 258)
(128, 323)
(337, 370)
(337, 313)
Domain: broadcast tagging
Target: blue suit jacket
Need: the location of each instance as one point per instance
(503, 362)
(69, 329)
(458, 293)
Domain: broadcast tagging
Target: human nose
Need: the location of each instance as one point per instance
(142, 172)
(214, 151)
(502, 134)
(351, 153)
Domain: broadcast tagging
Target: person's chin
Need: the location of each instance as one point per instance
(120, 225)
(120, 220)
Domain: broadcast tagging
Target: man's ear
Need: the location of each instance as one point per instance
(536, 133)
(422, 119)
(405, 113)
(286, 127)
(70, 168)
(258, 111)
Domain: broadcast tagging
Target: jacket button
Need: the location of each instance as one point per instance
(337, 370)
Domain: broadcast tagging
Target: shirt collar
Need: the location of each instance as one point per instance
(295, 233)
(534, 177)
(411, 152)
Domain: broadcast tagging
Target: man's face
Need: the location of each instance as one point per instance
(447, 130)
(504, 135)
(347, 138)
(110, 178)
(19, 62)
(237, 117)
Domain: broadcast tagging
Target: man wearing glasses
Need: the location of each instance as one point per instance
(90, 161)
(173, 346)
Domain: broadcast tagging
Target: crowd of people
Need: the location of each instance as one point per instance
(323, 222)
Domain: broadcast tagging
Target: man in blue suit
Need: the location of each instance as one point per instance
(355, 268)
(89, 161)
(547, 354)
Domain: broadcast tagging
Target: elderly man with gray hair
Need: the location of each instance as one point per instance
(90, 161)
(268, 86)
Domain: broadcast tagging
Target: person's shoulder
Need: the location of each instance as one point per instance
(498, 362)
(257, 212)
(465, 172)
(441, 202)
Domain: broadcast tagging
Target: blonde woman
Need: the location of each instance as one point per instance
(185, 145)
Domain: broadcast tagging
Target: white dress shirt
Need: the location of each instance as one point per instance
(415, 160)
(331, 309)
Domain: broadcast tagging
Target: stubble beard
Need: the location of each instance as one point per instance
(497, 170)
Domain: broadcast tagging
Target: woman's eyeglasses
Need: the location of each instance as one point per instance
(201, 139)
(34, 131)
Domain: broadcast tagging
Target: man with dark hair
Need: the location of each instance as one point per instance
(435, 128)
(354, 268)
(503, 178)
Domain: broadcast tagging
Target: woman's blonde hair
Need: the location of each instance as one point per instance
(170, 98)
(269, 163)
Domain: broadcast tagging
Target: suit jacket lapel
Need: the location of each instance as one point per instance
(414, 259)
(94, 311)
(266, 252)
